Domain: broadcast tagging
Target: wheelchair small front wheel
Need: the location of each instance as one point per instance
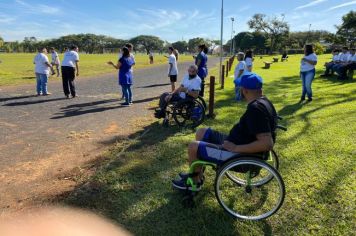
(247, 201)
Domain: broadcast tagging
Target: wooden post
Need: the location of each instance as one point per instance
(211, 97)
(227, 68)
(222, 76)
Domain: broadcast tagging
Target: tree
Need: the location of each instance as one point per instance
(248, 40)
(347, 29)
(181, 46)
(147, 42)
(319, 49)
(276, 30)
(195, 42)
(1, 42)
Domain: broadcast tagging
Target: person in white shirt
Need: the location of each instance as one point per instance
(307, 72)
(172, 69)
(42, 67)
(349, 66)
(248, 60)
(70, 69)
(55, 61)
(240, 70)
(189, 89)
(329, 65)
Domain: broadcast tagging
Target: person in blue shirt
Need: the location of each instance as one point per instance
(201, 61)
(124, 65)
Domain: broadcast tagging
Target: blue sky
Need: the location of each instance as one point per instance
(171, 20)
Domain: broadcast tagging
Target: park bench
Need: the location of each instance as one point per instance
(267, 64)
(275, 59)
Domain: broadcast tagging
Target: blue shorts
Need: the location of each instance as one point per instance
(210, 149)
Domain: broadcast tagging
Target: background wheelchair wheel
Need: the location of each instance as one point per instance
(202, 101)
(246, 201)
(263, 178)
(188, 114)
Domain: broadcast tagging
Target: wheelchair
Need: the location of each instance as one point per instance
(247, 186)
(187, 113)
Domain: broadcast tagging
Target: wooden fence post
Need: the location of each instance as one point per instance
(222, 76)
(227, 68)
(211, 97)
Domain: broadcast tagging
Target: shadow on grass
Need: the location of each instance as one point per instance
(135, 190)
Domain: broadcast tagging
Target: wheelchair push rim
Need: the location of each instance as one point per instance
(272, 160)
(246, 201)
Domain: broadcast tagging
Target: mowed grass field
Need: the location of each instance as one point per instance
(317, 162)
(18, 68)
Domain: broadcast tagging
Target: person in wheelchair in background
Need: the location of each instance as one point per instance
(254, 133)
(189, 89)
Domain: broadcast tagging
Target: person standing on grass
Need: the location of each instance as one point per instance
(307, 72)
(55, 61)
(201, 61)
(124, 65)
(240, 70)
(172, 69)
(42, 67)
(249, 60)
(70, 69)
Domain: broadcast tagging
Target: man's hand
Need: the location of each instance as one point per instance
(231, 147)
(77, 73)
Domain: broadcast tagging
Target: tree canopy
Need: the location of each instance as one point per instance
(147, 42)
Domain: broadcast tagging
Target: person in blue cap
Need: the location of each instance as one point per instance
(254, 133)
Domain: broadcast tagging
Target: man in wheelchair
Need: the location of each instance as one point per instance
(253, 134)
(189, 88)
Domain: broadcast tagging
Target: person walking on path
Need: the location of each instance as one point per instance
(240, 70)
(70, 70)
(150, 56)
(55, 61)
(201, 61)
(124, 65)
(307, 72)
(42, 67)
(249, 60)
(172, 69)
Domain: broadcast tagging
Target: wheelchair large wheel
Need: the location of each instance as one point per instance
(202, 101)
(263, 178)
(247, 201)
(188, 114)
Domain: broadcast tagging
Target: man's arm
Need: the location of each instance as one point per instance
(170, 69)
(77, 67)
(263, 143)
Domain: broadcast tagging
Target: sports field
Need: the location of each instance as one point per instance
(18, 68)
(317, 163)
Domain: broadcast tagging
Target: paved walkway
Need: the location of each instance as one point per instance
(43, 140)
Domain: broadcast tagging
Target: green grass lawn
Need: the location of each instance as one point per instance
(18, 68)
(317, 163)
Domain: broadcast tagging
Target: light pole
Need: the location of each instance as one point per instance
(221, 37)
(232, 32)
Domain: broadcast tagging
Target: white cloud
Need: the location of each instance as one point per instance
(38, 8)
(313, 3)
(342, 5)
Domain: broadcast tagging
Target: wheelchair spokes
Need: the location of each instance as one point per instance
(246, 198)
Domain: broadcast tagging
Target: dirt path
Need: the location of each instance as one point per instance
(46, 141)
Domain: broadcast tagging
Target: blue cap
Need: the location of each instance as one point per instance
(251, 81)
